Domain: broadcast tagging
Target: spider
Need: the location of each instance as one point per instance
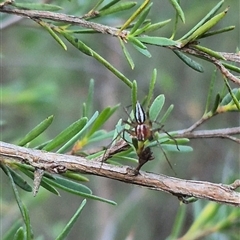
(141, 132)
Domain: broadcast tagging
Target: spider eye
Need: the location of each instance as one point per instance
(140, 115)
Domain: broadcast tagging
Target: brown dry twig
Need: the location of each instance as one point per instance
(59, 163)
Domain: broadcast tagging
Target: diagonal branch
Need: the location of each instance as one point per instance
(69, 19)
(58, 163)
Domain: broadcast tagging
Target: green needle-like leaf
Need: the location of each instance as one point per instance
(20, 234)
(90, 97)
(37, 6)
(109, 4)
(52, 33)
(178, 9)
(141, 19)
(88, 51)
(122, 6)
(156, 107)
(158, 41)
(66, 134)
(21, 206)
(134, 15)
(209, 52)
(205, 27)
(151, 87)
(101, 119)
(68, 186)
(77, 189)
(215, 32)
(191, 63)
(210, 91)
(134, 94)
(18, 180)
(75, 176)
(155, 26)
(36, 131)
(166, 114)
(127, 54)
(145, 52)
(75, 138)
(205, 19)
(70, 224)
(136, 42)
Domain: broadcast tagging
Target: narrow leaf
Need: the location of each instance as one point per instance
(88, 51)
(66, 134)
(102, 118)
(156, 107)
(90, 97)
(52, 33)
(209, 52)
(156, 26)
(70, 224)
(18, 180)
(12, 230)
(75, 176)
(216, 103)
(122, 6)
(191, 63)
(145, 52)
(69, 186)
(178, 9)
(134, 93)
(109, 4)
(75, 138)
(136, 42)
(141, 18)
(20, 234)
(97, 5)
(205, 19)
(79, 193)
(166, 114)
(210, 91)
(21, 206)
(127, 54)
(151, 87)
(159, 41)
(205, 27)
(41, 127)
(231, 67)
(174, 148)
(134, 15)
(37, 6)
(215, 32)
(142, 29)
(77, 43)
(235, 95)
(29, 231)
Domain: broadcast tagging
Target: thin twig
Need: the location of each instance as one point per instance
(213, 60)
(216, 133)
(59, 163)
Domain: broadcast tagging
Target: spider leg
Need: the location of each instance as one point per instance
(169, 135)
(165, 155)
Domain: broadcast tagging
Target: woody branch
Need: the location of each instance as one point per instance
(59, 163)
(60, 17)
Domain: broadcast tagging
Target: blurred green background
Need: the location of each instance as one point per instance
(39, 78)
